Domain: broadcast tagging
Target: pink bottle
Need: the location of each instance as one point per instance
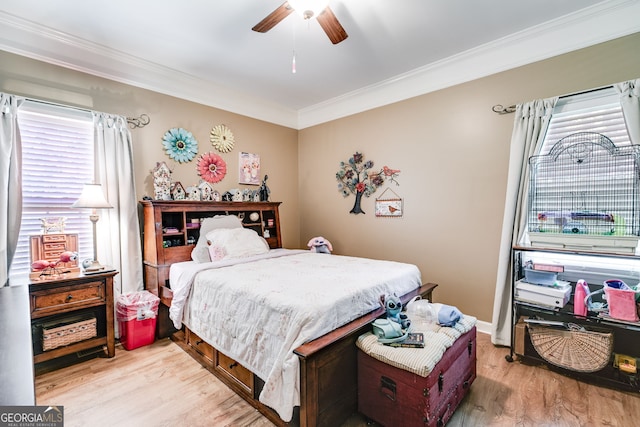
(582, 290)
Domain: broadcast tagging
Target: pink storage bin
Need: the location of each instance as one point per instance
(621, 300)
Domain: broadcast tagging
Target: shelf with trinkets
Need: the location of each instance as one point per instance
(540, 321)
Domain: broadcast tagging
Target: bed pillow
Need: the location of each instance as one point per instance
(235, 243)
(201, 252)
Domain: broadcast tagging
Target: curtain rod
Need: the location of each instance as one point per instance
(500, 109)
(134, 122)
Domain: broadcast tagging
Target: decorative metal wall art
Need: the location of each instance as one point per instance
(180, 145)
(357, 177)
(222, 138)
(211, 167)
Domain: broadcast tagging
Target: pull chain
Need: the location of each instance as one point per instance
(293, 63)
(293, 58)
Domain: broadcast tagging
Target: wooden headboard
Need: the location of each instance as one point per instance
(171, 229)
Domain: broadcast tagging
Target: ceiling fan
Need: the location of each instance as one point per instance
(308, 9)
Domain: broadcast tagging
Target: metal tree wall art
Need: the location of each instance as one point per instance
(357, 176)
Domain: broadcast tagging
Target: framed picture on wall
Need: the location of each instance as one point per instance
(389, 206)
(249, 169)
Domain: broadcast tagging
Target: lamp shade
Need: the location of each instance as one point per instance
(92, 197)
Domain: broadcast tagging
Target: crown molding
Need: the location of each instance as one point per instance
(599, 23)
(28, 39)
(602, 22)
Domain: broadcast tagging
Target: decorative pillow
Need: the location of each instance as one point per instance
(216, 253)
(236, 242)
(201, 252)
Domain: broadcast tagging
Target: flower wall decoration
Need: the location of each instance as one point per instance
(357, 176)
(211, 167)
(222, 138)
(180, 145)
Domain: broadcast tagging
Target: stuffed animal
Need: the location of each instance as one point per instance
(320, 244)
(393, 306)
(395, 327)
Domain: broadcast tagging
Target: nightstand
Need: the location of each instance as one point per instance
(71, 313)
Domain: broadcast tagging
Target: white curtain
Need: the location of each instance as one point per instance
(529, 128)
(10, 182)
(630, 102)
(118, 229)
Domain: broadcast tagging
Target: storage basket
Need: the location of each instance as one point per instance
(621, 300)
(71, 330)
(573, 348)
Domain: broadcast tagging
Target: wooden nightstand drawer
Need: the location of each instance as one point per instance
(67, 298)
(200, 346)
(236, 371)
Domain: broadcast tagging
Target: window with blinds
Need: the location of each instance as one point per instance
(584, 187)
(597, 111)
(57, 159)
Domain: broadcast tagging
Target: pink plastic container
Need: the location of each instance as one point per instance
(579, 306)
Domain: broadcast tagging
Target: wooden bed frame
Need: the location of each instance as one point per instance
(328, 371)
(328, 365)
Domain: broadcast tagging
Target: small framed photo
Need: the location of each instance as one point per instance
(249, 169)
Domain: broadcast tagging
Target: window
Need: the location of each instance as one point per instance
(57, 159)
(597, 111)
(584, 188)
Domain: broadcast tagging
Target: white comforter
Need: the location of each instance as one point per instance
(258, 310)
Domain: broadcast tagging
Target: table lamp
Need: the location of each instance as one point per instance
(93, 198)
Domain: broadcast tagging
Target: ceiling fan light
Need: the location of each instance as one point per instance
(308, 8)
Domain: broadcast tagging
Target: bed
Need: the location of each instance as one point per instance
(279, 326)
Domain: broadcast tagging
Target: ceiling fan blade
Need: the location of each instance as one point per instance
(273, 18)
(331, 26)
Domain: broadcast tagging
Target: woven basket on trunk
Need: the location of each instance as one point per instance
(577, 350)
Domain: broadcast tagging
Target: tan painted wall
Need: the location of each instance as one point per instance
(452, 149)
(453, 152)
(276, 145)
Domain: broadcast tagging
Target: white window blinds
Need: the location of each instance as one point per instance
(597, 111)
(57, 159)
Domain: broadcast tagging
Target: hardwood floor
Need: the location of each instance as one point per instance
(161, 385)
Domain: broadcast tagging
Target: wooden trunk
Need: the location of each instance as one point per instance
(391, 396)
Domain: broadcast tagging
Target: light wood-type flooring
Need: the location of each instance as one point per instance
(161, 385)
